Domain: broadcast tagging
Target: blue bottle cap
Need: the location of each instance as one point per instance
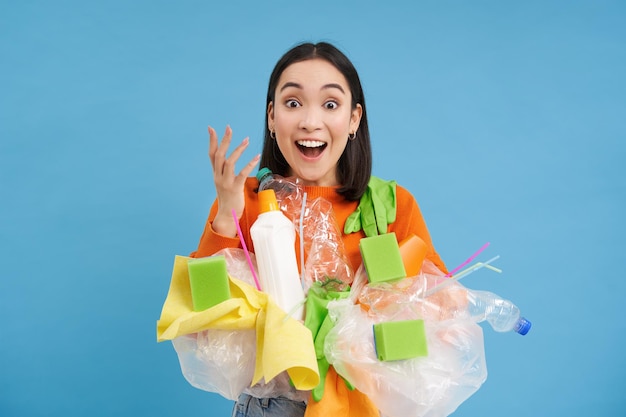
(262, 173)
(522, 326)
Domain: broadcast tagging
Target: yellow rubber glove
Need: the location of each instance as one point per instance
(376, 210)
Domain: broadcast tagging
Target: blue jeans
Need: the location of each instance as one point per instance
(249, 406)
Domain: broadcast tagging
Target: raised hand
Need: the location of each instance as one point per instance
(229, 186)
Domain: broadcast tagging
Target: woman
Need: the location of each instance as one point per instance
(316, 130)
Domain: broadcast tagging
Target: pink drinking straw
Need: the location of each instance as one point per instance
(470, 259)
(245, 250)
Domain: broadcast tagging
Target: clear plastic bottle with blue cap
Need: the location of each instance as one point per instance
(501, 314)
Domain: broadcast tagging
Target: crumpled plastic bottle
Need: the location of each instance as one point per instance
(289, 193)
(501, 314)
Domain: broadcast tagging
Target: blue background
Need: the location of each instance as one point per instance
(504, 119)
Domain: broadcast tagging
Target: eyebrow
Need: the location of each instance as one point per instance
(324, 87)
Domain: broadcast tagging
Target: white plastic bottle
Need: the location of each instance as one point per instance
(274, 235)
(501, 314)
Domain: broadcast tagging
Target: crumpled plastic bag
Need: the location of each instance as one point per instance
(216, 360)
(220, 361)
(430, 296)
(429, 386)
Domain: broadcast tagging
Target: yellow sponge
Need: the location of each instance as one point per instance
(396, 340)
(382, 258)
(209, 281)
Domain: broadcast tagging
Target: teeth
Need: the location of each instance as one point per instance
(311, 143)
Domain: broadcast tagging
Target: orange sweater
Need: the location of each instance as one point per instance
(409, 221)
(337, 400)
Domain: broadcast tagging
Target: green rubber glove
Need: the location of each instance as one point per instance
(376, 210)
(318, 321)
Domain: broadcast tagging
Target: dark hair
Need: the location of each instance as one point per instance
(355, 164)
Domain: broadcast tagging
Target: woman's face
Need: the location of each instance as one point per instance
(312, 118)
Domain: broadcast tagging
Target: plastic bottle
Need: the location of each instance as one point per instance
(265, 177)
(502, 315)
(269, 181)
(288, 193)
(273, 235)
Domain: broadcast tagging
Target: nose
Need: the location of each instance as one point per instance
(311, 119)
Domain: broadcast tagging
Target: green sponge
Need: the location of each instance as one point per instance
(382, 258)
(396, 340)
(209, 281)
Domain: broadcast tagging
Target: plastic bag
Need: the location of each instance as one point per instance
(429, 386)
(223, 361)
(429, 296)
(220, 361)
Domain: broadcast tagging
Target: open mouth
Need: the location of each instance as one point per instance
(311, 148)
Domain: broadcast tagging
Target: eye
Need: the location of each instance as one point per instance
(331, 105)
(292, 103)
